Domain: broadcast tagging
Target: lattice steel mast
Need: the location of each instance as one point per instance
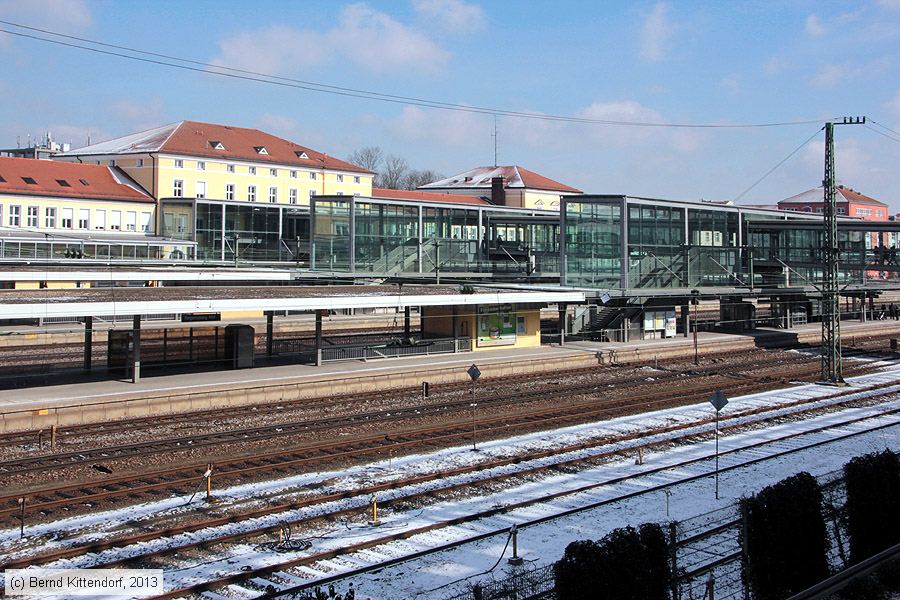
(832, 369)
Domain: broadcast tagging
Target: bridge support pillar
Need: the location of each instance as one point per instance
(318, 338)
(136, 350)
(270, 332)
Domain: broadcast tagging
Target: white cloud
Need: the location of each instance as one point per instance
(362, 35)
(775, 66)
(829, 76)
(455, 16)
(655, 33)
(454, 128)
(78, 135)
(65, 16)
(852, 164)
(894, 103)
(138, 115)
(814, 26)
(732, 85)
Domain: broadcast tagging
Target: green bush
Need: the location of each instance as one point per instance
(784, 539)
(873, 503)
(627, 564)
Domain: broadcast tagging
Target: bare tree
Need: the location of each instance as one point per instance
(414, 178)
(394, 172)
(369, 158)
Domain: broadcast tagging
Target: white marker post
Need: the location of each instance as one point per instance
(718, 400)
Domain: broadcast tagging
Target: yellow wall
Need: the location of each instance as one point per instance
(216, 176)
(141, 209)
(438, 321)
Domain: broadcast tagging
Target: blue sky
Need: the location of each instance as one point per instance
(673, 62)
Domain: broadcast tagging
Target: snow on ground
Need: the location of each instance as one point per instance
(544, 541)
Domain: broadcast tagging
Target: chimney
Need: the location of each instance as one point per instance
(498, 191)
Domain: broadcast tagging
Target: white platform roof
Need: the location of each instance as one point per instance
(58, 303)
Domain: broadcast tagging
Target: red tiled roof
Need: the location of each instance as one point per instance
(102, 182)
(853, 196)
(194, 139)
(515, 176)
(534, 180)
(426, 196)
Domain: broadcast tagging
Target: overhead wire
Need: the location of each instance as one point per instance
(883, 134)
(781, 162)
(874, 122)
(258, 77)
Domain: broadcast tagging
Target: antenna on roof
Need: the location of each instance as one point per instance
(495, 139)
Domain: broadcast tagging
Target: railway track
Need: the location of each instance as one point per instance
(177, 480)
(688, 431)
(27, 439)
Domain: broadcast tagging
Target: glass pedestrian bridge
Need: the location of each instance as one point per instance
(629, 243)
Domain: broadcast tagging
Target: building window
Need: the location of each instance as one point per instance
(273, 194)
(131, 220)
(840, 210)
(251, 193)
(179, 164)
(63, 183)
(68, 215)
(312, 193)
(252, 170)
(32, 216)
(312, 175)
(340, 193)
(145, 222)
(178, 188)
(294, 174)
(292, 196)
(112, 162)
(201, 165)
(229, 191)
(15, 216)
(261, 150)
(50, 217)
(229, 168)
(84, 182)
(29, 180)
(140, 162)
(340, 178)
(273, 172)
(84, 218)
(355, 179)
(99, 219)
(115, 220)
(200, 189)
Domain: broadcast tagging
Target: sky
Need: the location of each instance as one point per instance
(691, 62)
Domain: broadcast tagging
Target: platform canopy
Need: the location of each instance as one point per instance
(32, 304)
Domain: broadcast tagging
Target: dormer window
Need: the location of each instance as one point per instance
(467, 179)
(29, 180)
(2, 180)
(216, 145)
(63, 183)
(84, 182)
(302, 154)
(261, 150)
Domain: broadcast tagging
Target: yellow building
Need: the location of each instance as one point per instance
(239, 193)
(505, 186)
(54, 210)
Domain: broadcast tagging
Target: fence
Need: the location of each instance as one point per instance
(396, 350)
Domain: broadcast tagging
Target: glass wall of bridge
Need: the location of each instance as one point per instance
(450, 240)
(592, 252)
(657, 255)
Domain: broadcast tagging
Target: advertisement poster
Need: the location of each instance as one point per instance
(496, 326)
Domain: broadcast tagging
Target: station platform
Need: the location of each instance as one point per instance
(42, 407)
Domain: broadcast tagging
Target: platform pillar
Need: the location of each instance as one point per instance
(454, 326)
(406, 324)
(686, 319)
(88, 341)
(270, 332)
(562, 324)
(318, 338)
(136, 350)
